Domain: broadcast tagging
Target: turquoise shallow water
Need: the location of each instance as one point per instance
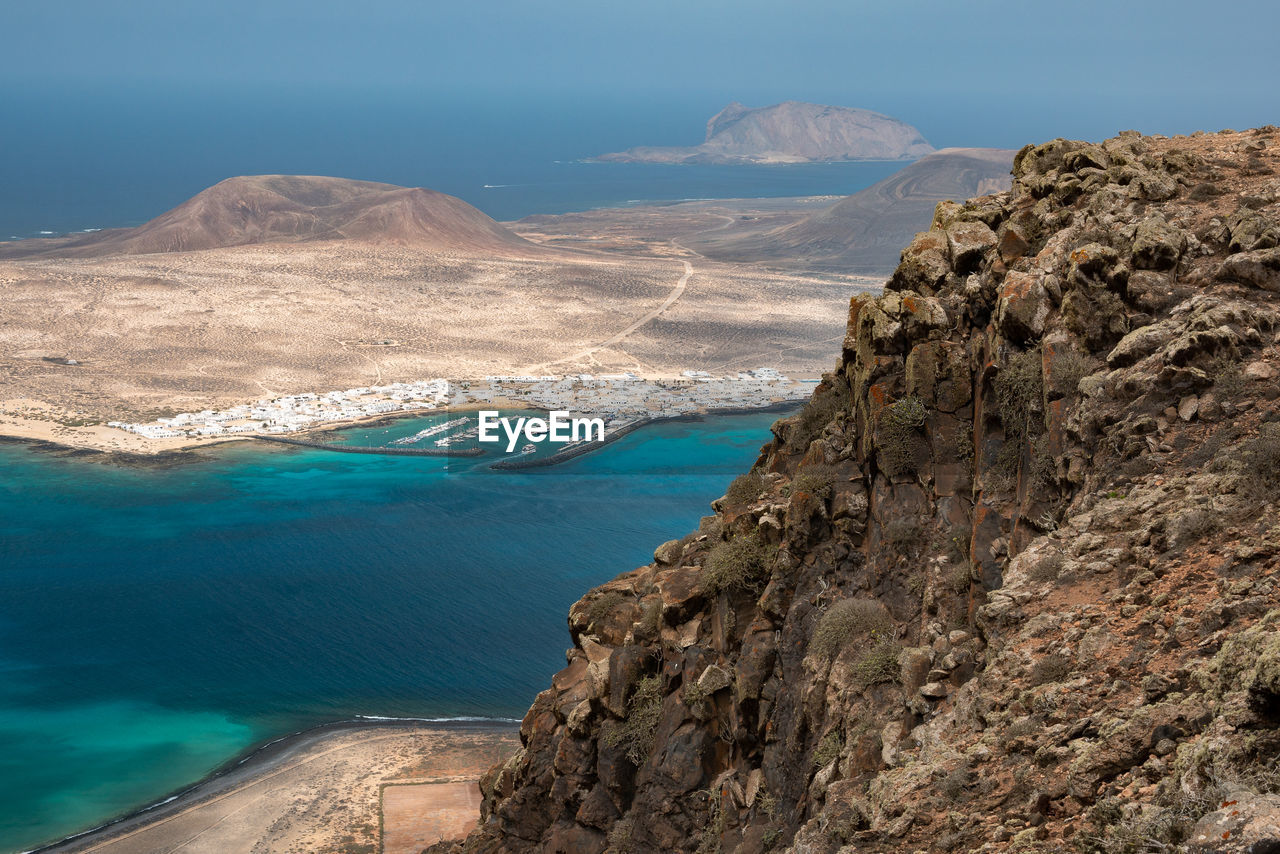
(155, 621)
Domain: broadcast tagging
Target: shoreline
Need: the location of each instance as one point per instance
(567, 454)
(253, 764)
(189, 450)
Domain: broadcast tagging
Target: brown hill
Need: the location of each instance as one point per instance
(791, 132)
(864, 233)
(293, 209)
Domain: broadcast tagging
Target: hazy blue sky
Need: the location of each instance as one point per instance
(111, 112)
(1160, 64)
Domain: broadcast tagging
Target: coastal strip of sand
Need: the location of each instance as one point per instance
(351, 787)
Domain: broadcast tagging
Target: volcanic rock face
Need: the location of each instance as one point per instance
(293, 209)
(791, 132)
(1008, 582)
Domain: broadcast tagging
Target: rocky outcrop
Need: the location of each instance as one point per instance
(790, 132)
(1008, 581)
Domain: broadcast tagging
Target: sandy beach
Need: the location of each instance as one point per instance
(353, 788)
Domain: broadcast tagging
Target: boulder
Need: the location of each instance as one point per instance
(1140, 343)
(967, 243)
(669, 553)
(1024, 306)
(1245, 824)
(1250, 230)
(925, 264)
(1260, 268)
(1157, 245)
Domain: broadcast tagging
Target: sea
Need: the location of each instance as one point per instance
(80, 162)
(158, 620)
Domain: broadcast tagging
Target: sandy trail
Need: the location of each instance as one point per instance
(672, 299)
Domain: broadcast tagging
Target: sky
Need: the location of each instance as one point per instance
(112, 111)
(1021, 69)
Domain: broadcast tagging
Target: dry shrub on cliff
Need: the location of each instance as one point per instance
(818, 412)
(603, 605)
(1068, 368)
(899, 436)
(1258, 460)
(745, 487)
(828, 748)
(742, 563)
(1051, 668)
(816, 480)
(879, 663)
(1019, 387)
(847, 619)
(644, 710)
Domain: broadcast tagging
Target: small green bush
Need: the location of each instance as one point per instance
(816, 480)
(828, 749)
(847, 619)
(1068, 368)
(651, 619)
(644, 710)
(619, 840)
(1258, 460)
(879, 663)
(745, 488)
(961, 576)
(743, 563)
(898, 435)
(1019, 389)
(1228, 380)
(1047, 568)
(692, 693)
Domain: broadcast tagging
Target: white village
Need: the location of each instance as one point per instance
(619, 399)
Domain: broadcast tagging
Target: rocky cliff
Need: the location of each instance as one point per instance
(790, 132)
(1008, 582)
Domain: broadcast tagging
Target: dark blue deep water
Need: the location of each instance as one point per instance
(155, 621)
(77, 161)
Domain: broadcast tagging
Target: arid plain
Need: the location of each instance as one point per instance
(131, 337)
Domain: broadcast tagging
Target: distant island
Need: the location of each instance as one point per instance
(790, 132)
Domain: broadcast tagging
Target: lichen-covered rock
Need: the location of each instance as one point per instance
(1259, 268)
(968, 243)
(1023, 308)
(1245, 823)
(1157, 245)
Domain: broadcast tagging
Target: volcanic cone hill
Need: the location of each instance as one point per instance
(864, 233)
(1008, 581)
(293, 209)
